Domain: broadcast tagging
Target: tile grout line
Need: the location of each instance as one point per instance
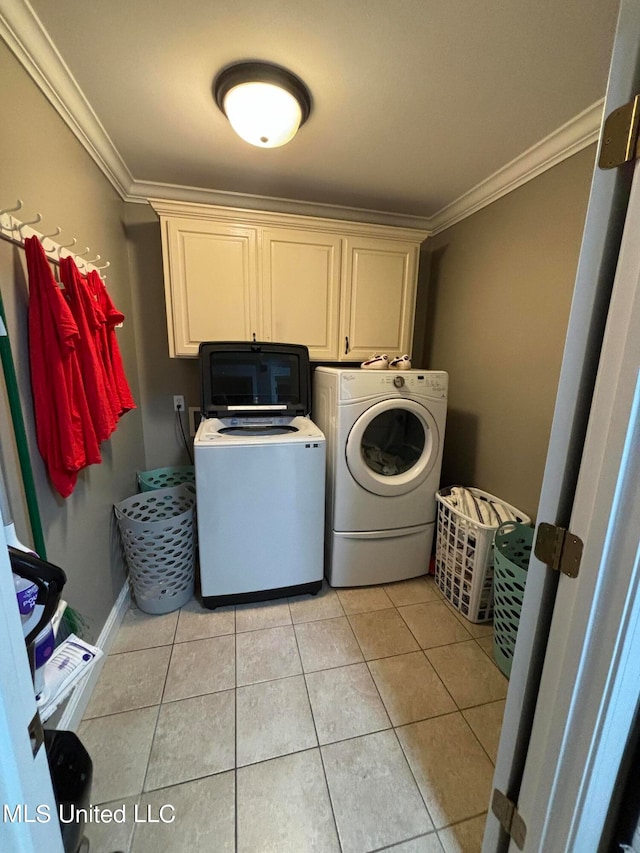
(146, 769)
(131, 837)
(440, 679)
(175, 630)
(395, 734)
(404, 755)
(470, 637)
(315, 728)
(469, 707)
(464, 820)
(473, 732)
(141, 649)
(394, 728)
(295, 624)
(413, 776)
(484, 814)
(155, 727)
(406, 841)
(235, 733)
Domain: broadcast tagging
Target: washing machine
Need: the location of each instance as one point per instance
(260, 474)
(384, 432)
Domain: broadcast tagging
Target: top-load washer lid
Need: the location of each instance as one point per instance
(254, 379)
(253, 431)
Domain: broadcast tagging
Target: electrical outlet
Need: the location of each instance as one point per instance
(178, 403)
(194, 419)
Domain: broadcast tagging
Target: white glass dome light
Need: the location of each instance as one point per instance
(263, 114)
(265, 104)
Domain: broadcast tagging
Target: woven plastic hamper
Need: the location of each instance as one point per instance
(157, 530)
(512, 549)
(464, 556)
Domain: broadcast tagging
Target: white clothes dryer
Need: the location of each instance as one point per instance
(385, 433)
(260, 475)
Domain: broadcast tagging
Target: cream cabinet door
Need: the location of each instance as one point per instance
(301, 289)
(379, 300)
(211, 283)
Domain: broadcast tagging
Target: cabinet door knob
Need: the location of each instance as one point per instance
(346, 345)
(254, 337)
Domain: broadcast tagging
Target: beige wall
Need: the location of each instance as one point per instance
(45, 166)
(496, 307)
(160, 376)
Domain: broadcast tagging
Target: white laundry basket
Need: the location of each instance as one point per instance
(158, 529)
(464, 556)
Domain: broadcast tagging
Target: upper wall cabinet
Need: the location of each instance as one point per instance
(378, 305)
(343, 289)
(210, 283)
(300, 289)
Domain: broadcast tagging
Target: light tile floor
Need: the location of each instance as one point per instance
(357, 720)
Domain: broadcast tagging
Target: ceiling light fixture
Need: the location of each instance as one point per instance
(265, 104)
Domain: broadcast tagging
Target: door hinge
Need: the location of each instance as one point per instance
(559, 549)
(507, 813)
(620, 136)
(36, 733)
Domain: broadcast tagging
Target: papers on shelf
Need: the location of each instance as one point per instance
(72, 660)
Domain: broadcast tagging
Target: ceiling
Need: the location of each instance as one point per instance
(418, 105)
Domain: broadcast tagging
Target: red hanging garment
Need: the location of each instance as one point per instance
(64, 430)
(113, 359)
(102, 351)
(96, 385)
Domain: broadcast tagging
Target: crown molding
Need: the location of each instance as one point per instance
(578, 133)
(25, 36)
(143, 192)
(168, 208)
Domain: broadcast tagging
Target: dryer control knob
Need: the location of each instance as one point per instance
(398, 381)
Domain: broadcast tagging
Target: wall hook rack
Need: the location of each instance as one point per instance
(22, 225)
(15, 231)
(55, 233)
(12, 209)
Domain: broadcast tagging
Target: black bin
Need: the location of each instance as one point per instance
(71, 773)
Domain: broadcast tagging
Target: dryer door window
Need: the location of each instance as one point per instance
(392, 447)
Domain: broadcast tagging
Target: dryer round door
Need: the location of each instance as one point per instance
(392, 447)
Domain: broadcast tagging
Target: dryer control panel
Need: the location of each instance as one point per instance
(356, 384)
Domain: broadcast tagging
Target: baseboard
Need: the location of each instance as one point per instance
(81, 695)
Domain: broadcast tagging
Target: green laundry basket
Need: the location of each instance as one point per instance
(512, 549)
(165, 478)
